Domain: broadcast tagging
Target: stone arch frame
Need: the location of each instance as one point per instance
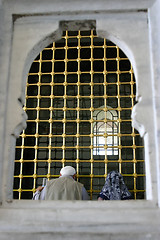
(31, 48)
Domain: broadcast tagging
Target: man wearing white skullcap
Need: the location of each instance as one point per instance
(62, 188)
(68, 170)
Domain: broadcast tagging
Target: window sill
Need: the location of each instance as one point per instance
(117, 204)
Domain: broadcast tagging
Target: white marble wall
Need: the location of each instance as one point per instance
(154, 19)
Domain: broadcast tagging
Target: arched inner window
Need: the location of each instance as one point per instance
(105, 129)
(80, 92)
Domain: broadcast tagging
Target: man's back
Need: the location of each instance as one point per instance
(63, 188)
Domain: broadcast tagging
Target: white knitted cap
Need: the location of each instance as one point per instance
(68, 170)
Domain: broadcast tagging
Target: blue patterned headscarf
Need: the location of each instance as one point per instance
(115, 188)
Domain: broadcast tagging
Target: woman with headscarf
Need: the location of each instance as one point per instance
(114, 188)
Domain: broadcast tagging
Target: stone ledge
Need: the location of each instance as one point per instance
(128, 204)
(111, 221)
(79, 236)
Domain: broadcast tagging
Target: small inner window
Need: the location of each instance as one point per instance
(105, 132)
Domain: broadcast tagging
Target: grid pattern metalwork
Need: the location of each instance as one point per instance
(68, 81)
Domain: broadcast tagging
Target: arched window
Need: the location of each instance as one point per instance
(79, 96)
(105, 130)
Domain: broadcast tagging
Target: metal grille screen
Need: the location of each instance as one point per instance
(79, 96)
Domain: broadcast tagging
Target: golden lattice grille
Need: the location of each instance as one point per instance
(69, 84)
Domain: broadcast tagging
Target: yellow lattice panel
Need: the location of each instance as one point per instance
(80, 92)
